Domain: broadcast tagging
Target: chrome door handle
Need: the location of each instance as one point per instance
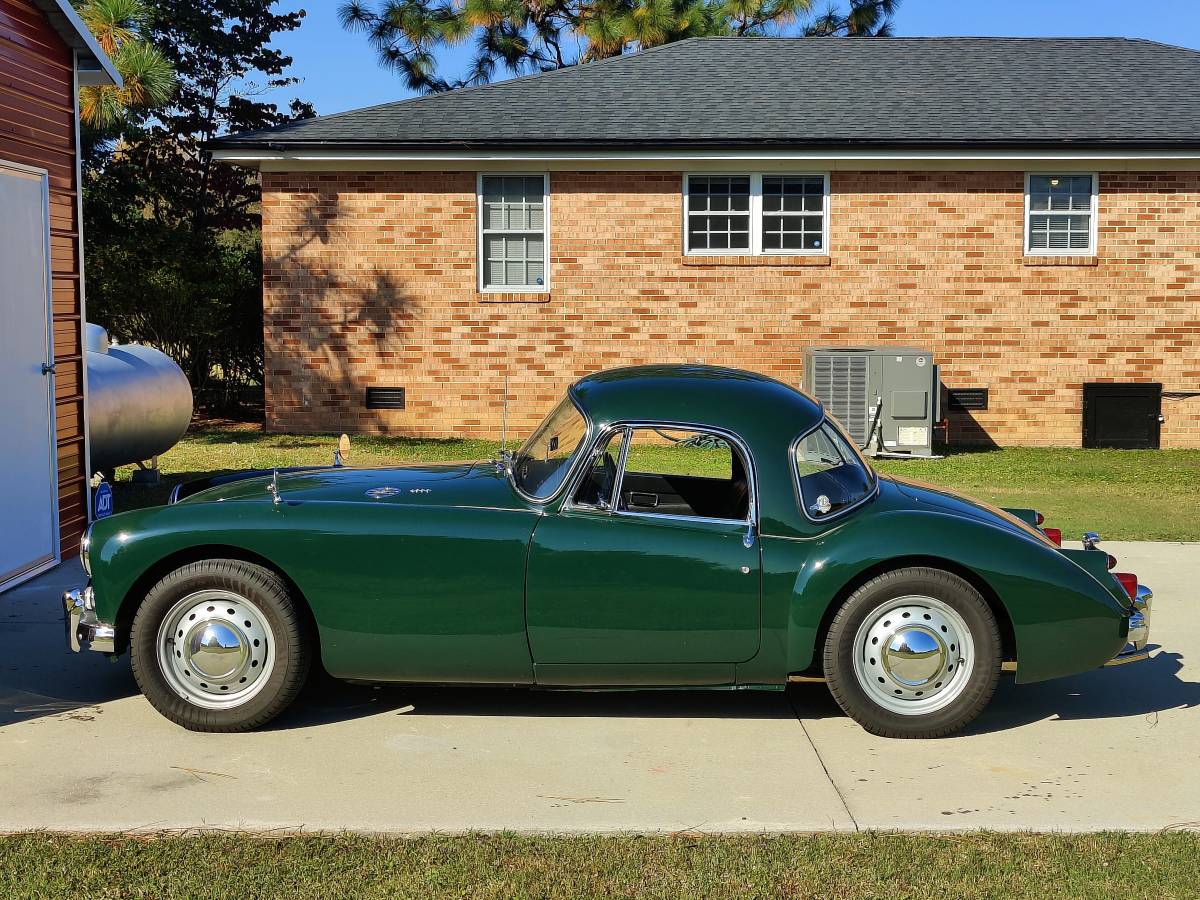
(745, 570)
(748, 537)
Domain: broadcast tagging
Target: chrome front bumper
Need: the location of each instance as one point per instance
(1139, 629)
(83, 628)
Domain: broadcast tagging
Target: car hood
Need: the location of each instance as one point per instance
(959, 504)
(452, 484)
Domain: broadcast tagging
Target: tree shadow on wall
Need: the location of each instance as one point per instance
(333, 320)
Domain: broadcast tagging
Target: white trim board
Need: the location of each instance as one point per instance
(79, 251)
(711, 160)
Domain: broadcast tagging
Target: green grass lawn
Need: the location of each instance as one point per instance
(1123, 494)
(1165, 865)
(1128, 495)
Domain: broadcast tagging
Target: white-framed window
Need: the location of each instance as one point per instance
(514, 231)
(1060, 213)
(756, 214)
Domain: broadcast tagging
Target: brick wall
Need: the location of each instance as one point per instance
(371, 280)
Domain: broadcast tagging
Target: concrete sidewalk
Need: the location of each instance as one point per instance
(1113, 748)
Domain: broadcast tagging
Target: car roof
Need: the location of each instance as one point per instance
(747, 403)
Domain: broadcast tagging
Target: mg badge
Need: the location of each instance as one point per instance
(381, 492)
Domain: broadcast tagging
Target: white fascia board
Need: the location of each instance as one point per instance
(91, 62)
(335, 160)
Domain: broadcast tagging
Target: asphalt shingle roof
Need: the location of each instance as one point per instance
(807, 92)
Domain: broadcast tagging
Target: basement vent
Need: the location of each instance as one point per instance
(385, 398)
(840, 383)
(967, 398)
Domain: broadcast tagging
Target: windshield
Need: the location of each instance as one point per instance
(543, 461)
(831, 472)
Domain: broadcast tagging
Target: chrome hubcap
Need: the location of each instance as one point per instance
(913, 655)
(215, 649)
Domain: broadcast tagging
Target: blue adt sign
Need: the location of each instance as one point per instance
(102, 502)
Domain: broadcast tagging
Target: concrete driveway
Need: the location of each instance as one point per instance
(1114, 748)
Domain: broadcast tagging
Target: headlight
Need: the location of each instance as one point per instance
(85, 551)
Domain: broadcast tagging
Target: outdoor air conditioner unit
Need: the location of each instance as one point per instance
(887, 398)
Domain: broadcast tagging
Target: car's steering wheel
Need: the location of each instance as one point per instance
(605, 485)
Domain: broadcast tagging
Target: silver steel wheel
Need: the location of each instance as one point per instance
(215, 649)
(913, 655)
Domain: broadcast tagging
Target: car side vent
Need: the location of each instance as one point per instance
(385, 398)
(840, 383)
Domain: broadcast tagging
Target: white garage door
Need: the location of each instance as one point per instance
(28, 499)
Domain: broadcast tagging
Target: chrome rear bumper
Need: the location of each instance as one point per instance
(83, 628)
(1139, 629)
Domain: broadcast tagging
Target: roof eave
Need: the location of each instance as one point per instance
(224, 146)
(92, 65)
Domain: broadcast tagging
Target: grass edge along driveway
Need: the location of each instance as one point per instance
(1149, 495)
(892, 865)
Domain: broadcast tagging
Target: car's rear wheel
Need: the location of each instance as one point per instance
(913, 653)
(220, 645)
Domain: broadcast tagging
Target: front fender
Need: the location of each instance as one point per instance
(126, 546)
(1064, 621)
(434, 593)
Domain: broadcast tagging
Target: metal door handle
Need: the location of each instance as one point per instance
(748, 537)
(745, 570)
(47, 368)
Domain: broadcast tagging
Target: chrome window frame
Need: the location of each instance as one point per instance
(571, 471)
(794, 446)
(734, 439)
(602, 441)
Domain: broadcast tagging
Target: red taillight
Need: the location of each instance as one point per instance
(1055, 535)
(1112, 561)
(1128, 581)
(1040, 518)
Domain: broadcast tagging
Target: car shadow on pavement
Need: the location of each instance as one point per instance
(38, 676)
(327, 700)
(1141, 689)
(56, 683)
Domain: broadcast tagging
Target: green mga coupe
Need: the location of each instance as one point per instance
(666, 526)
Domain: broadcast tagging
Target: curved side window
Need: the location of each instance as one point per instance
(831, 473)
(543, 461)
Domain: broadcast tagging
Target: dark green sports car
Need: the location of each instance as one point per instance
(683, 525)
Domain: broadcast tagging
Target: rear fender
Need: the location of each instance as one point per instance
(1064, 621)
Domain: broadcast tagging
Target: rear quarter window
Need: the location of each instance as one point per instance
(830, 472)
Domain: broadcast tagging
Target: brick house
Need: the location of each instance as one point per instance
(1027, 209)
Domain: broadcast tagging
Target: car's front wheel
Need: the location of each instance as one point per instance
(913, 653)
(220, 645)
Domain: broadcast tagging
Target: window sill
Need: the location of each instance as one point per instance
(512, 296)
(1060, 261)
(732, 260)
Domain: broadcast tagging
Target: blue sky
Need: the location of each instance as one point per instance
(340, 72)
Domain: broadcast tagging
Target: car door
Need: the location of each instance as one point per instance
(652, 563)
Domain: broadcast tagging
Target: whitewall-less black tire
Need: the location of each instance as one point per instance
(913, 653)
(220, 645)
